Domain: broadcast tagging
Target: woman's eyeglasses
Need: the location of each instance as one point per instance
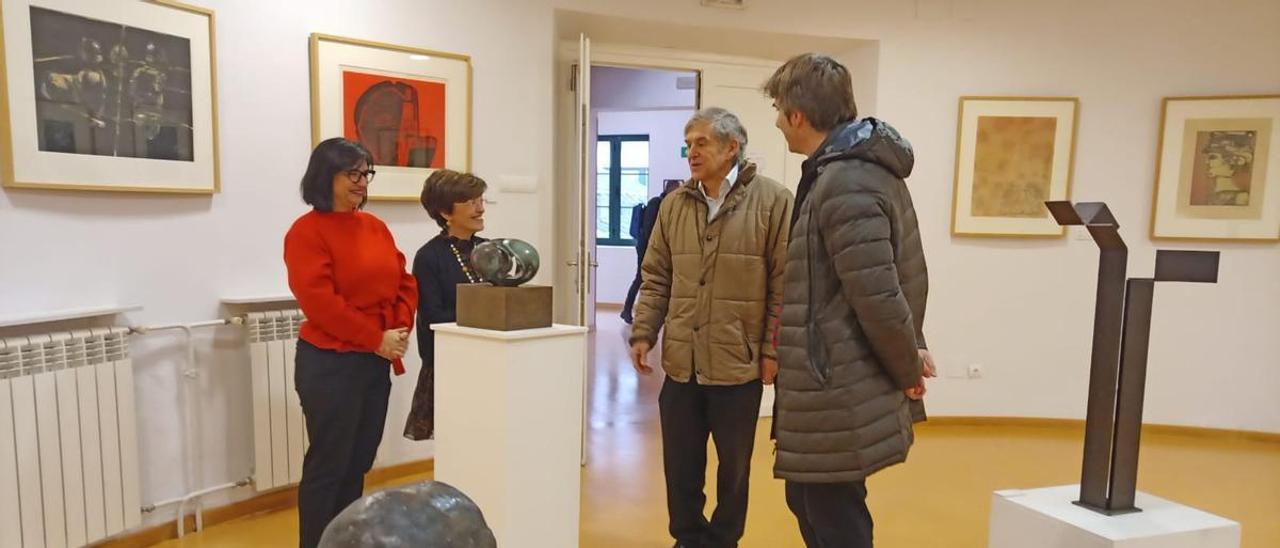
(354, 175)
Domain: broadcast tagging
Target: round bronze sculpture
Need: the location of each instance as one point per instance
(429, 514)
(505, 262)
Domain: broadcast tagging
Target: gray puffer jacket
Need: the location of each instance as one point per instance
(853, 306)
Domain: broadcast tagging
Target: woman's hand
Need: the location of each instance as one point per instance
(394, 343)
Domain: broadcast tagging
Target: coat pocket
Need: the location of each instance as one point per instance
(746, 340)
(816, 352)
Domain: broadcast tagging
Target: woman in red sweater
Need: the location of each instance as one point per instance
(349, 279)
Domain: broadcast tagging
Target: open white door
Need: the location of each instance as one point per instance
(584, 261)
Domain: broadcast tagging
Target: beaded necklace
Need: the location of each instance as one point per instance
(471, 277)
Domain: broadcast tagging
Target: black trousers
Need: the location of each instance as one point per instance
(629, 305)
(344, 399)
(831, 515)
(689, 413)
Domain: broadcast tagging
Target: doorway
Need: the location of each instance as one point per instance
(637, 119)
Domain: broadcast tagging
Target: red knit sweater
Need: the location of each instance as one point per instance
(349, 279)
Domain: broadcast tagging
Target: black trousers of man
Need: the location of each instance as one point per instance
(344, 399)
(689, 413)
(831, 515)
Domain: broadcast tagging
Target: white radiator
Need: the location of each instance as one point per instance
(68, 439)
(279, 433)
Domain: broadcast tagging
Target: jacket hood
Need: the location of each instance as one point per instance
(870, 140)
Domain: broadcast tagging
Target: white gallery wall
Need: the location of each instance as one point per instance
(1022, 310)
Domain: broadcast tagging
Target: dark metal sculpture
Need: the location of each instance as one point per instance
(1118, 367)
(505, 262)
(430, 514)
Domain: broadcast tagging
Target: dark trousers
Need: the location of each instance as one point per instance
(831, 515)
(629, 305)
(689, 413)
(344, 399)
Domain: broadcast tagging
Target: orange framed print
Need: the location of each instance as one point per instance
(410, 107)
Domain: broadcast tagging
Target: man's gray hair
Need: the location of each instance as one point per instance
(725, 127)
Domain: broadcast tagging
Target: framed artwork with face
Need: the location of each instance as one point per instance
(1216, 169)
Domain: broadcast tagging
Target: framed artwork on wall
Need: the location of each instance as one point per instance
(118, 96)
(1218, 169)
(410, 107)
(1012, 154)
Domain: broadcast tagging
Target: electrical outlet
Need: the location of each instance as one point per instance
(975, 371)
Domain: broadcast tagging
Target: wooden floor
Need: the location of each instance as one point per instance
(939, 498)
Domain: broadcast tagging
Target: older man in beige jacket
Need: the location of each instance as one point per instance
(713, 275)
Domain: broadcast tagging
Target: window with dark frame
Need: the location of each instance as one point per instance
(622, 182)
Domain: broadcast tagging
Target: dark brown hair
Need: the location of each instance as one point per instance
(446, 187)
(814, 85)
(330, 157)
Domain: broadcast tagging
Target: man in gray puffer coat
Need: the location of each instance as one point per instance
(851, 349)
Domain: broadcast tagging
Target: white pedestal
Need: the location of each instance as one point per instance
(1046, 518)
(509, 428)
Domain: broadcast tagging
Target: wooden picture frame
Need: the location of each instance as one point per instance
(410, 107)
(1218, 169)
(1012, 155)
(109, 96)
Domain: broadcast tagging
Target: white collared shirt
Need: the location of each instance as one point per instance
(713, 204)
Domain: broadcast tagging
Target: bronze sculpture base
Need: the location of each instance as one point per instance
(484, 306)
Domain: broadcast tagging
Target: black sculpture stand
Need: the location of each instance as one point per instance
(1118, 366)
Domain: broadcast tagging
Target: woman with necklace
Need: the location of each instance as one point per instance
(456, 202)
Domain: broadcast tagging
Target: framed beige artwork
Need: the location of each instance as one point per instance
(118, 96)
(1012, 155)
(410, 107)
(1218, 169)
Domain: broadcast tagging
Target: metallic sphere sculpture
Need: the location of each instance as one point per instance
(505, 262)
(425, 515)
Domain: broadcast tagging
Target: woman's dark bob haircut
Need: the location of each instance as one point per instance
(331, 157)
